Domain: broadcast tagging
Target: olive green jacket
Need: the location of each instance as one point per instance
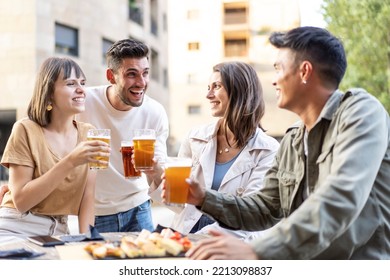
(347, 212)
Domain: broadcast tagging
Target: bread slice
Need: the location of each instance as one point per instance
(171, 246)
(150, 249)
(130, 248)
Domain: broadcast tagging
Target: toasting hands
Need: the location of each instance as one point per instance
(196, 194)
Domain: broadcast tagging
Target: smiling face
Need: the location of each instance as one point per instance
(69, 94)
(217, 95)
(131, 81)
(288, 81)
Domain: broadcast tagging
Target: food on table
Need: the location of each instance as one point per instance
(146, 244)
(130, 248)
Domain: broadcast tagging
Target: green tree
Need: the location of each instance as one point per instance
(364, 28)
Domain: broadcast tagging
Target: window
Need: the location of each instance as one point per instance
(194, 110)
(193, 46)
(192, 14)
(165, 22)
(154, 67)
(192, 78)
(106, 44)
(236, 47)
(136, 11)
(235, 15)
(67, 41)
(7, 119)
(165, 78)
(153, 17)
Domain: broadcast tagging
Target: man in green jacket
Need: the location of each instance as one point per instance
(327, 195)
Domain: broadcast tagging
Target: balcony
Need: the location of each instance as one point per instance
(235, 16)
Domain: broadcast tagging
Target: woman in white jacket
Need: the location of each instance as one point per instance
(232, 154)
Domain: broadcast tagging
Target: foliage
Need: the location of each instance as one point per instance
(364, 28)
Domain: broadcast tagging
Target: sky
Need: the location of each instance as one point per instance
(310, 14)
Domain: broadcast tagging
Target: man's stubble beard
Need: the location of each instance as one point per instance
(128, 102)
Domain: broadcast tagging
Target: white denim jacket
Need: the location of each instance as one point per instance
(245, 176)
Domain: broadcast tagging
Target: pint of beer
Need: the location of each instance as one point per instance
(127, 148)
(144, 140)
(176, 188)
(102, 135)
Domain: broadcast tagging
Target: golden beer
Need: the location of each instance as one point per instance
(127, 149)
(102, 135)
(143, 153)
(144, 140)
(177, 170)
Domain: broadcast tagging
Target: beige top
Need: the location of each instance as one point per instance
(27, 146)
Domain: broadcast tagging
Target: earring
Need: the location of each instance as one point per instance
(304, 82)
(49, 107)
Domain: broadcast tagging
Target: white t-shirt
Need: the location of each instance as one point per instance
(114, 193)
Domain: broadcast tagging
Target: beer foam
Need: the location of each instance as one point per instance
(99, 137)
(178, 162)
(144, 137)
(127, 143)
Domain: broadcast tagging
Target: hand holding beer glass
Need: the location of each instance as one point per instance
(127, 150)
(144, 140)
(102, 135)
(177, 170)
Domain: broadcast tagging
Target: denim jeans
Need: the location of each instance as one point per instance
(201, 223)
(133, 220)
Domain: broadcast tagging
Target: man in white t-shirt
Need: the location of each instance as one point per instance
(124, 204)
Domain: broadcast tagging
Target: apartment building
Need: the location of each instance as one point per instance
(186, 37)
(32, 30)
(205, 32)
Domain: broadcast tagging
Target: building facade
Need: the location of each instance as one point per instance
(32, 30)
(186, 38)
(203, 33)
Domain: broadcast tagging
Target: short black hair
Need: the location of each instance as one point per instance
(317, 45)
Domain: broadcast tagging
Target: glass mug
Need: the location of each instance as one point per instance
(102, 135)
(176, 188)
(144, 140)
(127, 149)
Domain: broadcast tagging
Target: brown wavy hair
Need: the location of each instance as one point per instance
(246, 104)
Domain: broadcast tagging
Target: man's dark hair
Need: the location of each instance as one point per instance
(317, 45)
(126, 48)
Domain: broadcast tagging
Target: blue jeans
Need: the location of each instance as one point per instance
(133, 220)
(201, 223)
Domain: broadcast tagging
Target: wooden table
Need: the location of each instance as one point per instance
(72, 250)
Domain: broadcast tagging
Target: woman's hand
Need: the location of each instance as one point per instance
(3, 190)
(87, 151)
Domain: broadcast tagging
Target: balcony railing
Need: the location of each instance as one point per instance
(236, 48)
(235, 18)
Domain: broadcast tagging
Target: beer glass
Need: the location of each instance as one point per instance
(144, 140)
(102, 135)
(127, 149)
(176, 188)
